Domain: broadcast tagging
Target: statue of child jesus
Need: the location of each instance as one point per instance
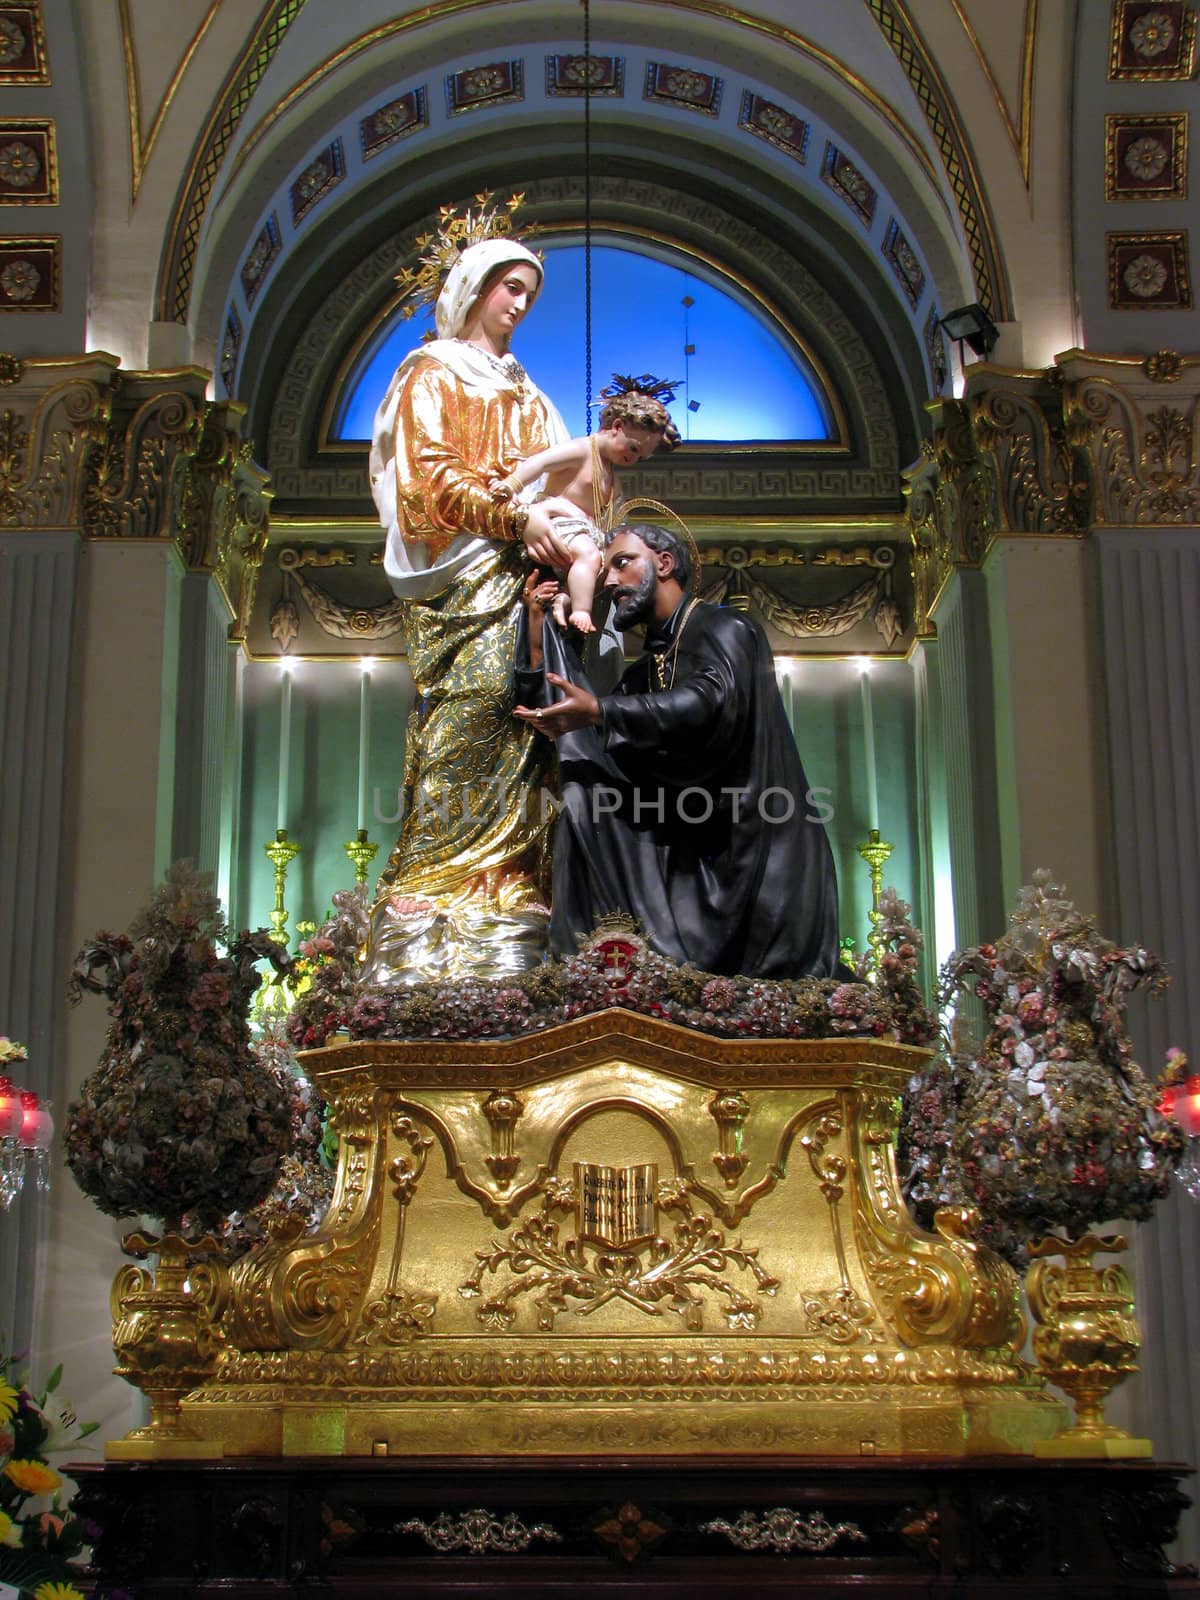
(634, 424)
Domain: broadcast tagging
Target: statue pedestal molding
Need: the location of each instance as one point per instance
(620, 1236)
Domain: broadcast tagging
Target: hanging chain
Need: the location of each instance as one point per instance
(587, 211)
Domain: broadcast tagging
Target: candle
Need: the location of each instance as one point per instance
(784, 678)
(869, 744)
(364, 741)
(285, 747)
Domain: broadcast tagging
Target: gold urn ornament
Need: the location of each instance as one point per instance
(1086, 1340)
(164, 1339)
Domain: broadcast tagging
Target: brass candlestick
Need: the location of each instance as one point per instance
(281, 851)
(875, 852)
(362, 852)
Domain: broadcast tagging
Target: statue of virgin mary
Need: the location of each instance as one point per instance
(465, 889)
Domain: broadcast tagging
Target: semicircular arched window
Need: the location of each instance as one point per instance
(741, 376)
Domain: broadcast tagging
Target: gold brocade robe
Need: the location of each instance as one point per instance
(466, 886)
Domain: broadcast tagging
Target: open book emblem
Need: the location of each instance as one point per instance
(616, 1206)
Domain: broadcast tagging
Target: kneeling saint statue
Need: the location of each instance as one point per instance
(684, 803)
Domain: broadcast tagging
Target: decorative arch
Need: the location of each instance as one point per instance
(173, 299)
(783, 347)
(307, 98)
(298, 367)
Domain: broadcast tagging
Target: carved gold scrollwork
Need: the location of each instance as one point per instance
(952, 507)
(480, 1532)
(43, 450)
(404, 1170)
(224, 512)
(840, 1313)
(943, 1289)
(932, 562)
(1041, 477)
(305, 1293)
(502, 1109)
(654, 1275)
(784, 1530)
(400, 1315)
(1146, 463)
(729, 1109)
(134, 486)
(206, 486)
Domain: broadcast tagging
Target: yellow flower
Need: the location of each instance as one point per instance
(32, 1477)
(10, 1532)
(8, 1401)
(56, 1591)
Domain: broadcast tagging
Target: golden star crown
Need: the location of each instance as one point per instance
(456, 232)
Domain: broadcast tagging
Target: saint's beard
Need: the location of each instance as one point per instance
(635, 606)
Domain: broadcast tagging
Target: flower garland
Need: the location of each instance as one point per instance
(40, 1541)
(889, 1005)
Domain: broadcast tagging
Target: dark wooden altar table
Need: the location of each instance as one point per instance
(549, 1529)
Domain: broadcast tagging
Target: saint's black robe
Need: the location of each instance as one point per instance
(689, 809)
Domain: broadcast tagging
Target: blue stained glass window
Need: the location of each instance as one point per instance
(742, 380)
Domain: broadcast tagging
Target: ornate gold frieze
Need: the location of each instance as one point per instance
(135, 480)
(225, 512)
(1042, 484)
(1089, 443)
(547, 1371)
(548, 1261)
(1145, 454)
(952, 503)
(783, 1531)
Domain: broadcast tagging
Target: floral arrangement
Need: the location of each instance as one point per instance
(180, 1116)
(890, 1005)
(328, 964)
(1048, 1122)
(304, 1183)
(39, 1538)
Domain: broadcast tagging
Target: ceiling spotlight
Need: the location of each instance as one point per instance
(971, 325)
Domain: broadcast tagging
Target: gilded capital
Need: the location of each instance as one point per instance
(53, 414)
(1137, 420)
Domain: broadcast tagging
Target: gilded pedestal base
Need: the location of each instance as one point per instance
(615, 1237)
